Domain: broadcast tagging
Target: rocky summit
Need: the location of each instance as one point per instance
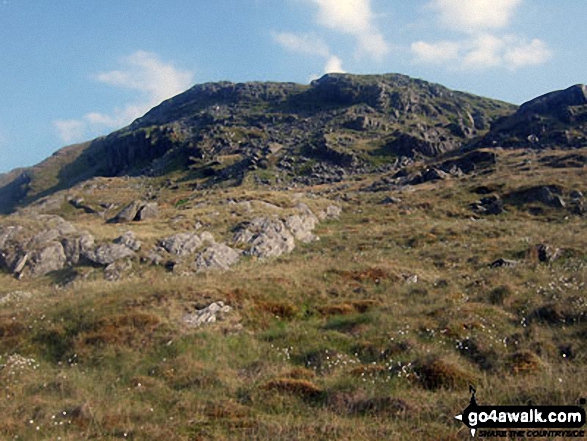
(218, 133)
(338, 260)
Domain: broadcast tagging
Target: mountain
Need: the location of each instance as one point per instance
(223, 132)
(554, 120)
(264, 261)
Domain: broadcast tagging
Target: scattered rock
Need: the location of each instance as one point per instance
(15, 296)
(217, 311)
(492, 205)
(503, 262)
(475, 160)
(136, 211)
(331, 212)
(391, 200)
(546, 253)
(129, 240)
(116, 270)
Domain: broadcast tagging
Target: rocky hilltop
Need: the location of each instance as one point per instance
(554, 120)
(223, 132)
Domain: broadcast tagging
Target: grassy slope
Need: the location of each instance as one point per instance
(335, 341)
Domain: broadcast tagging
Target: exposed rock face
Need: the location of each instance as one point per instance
(283, 127)
(557, 119)
(555, 102)
(7, 234)
(431, 142)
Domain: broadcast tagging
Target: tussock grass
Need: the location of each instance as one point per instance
(373, 332)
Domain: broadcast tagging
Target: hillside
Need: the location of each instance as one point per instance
(221, 132)
(275, 261)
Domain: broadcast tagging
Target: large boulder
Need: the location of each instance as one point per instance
(47, 259)
(75, 246)
(302, 226)
(267, 238)
(216, 257)
(136, 211)
(181, 244)
(108, 253)
(148, 211)
(128, 213)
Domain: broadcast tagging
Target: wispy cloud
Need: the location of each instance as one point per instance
(307, 44)
(356, 18)
(485, 44)
(143, 72)
(482, 52)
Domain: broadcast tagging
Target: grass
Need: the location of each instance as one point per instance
(373, 332)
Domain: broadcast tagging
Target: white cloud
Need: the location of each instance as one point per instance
(485, 44)
(143, 72)
(307, 44)
(70, 130)
(356, 18)
(333, 65)
(475, 15)
(527, 54)
(435, 53)
(485, 51)
(482, 52)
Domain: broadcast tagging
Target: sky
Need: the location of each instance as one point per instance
(73, 70)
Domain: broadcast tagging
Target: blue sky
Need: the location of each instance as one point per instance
(72, 70)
